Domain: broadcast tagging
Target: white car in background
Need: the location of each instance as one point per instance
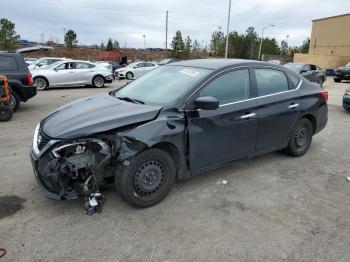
(44, 61)
(71, 73)
(135, 70)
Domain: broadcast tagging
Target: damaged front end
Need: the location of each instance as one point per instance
(66, 170)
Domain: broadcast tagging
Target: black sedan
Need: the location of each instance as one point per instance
(346, 100)
(311, 72)
(175, 121)
(342, 73)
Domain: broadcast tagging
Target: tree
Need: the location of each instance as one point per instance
(251, 42)
(196, 46)
(188, 45)
(177, 44)
(304, 48)
(217, 43)
(8, 35)
(70, 38)
(116, 44)
(102, 46)
(270, 46)
(109, 46)
(284, 48)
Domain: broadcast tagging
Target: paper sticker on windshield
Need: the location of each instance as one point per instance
(190, 72)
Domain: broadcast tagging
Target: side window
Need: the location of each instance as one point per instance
(313, 67)
(8, 63)
(229, 87)
(149, 65)
(81, 65)
(294, 80)
(270, 81)
(306, 68)
(140, 65)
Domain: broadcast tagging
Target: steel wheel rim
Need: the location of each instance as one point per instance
(98, 81)
(301, 137)
(149, 178)
(40, 83)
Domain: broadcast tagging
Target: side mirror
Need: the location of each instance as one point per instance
(206, 103)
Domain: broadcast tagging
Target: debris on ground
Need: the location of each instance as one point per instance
(2, 252)
(93, 203)
(224, 182)
(348, 178)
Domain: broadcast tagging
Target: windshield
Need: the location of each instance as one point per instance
(294, 67)
(53, 65)
(164, 84)
(347, 65)
(132, 64)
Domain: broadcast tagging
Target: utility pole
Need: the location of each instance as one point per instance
(261, 40)
(166, 34)
(228, 28)
(144, 41)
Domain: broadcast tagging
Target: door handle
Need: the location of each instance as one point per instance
(248, 116)
(292, 106)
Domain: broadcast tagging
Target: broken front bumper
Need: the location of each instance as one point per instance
(50, 182)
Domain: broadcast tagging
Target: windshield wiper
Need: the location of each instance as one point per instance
(135, 101)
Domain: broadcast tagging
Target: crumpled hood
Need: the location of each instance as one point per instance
(93, 115)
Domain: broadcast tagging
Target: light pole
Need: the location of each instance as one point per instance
(261, 40)
(144, 41)
(228, 28)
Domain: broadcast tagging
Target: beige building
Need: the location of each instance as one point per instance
(329, 44)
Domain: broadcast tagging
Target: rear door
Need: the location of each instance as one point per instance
(83, 73)
(229, 132)
(279, 107)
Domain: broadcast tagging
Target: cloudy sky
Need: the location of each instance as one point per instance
(127, 21)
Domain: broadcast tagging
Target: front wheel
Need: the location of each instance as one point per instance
(129, 75)
(6, 113)
(337, 80)
(148, 179)
(98, 81)
(300, 139)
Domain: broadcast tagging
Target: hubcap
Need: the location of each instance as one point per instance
(301, 137)
(98, 81)
(149, 178)
(40, 83)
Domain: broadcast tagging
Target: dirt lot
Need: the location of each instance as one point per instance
(272, 208)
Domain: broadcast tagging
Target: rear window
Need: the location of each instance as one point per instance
(271, 81)
(8, 63)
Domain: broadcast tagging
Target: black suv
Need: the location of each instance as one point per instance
(342, 73)
(20, 79)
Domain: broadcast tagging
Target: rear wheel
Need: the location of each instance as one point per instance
(300, 139)
(15, 101)
(98, 81)
(6, 113)
(337, 80)
(40, 83)
(148, 179)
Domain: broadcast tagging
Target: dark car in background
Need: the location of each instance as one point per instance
(311, 72)
(342, 73)
(176, 121)
(19, 78)
(346, 100)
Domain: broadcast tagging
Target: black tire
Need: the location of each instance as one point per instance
(98, 81)
(135, 182)
(300, 139)
(6, 113)
(40, 83)
(338, 80)
(15, 101)
(129, 75)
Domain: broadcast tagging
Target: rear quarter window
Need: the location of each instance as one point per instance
(8, 63)
(294, 81)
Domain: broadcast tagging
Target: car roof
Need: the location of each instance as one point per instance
(218, 63)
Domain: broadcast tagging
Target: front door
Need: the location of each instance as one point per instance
(229, 132)
(63, 75)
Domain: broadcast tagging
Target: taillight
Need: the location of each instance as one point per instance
(324, 95)
(30, 79)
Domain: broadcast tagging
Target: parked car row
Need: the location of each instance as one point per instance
(311, 72)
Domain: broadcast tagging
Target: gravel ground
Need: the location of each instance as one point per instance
(272, 208)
